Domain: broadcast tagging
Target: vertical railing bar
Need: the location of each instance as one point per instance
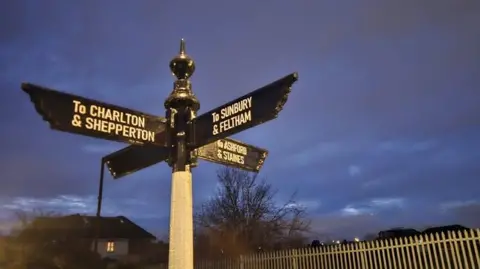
(453, 243)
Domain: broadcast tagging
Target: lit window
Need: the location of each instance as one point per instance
(110, 246)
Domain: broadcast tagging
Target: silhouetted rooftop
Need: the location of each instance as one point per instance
(86, 227)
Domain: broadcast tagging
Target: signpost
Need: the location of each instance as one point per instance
(179, 138)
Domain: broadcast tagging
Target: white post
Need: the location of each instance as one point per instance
(180, 253)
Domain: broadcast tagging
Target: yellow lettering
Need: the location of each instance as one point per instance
(141, 122)
(235, 121)
(100, 112)
(108, 114)
(89, 123)
(232, 157)
(223, 113)
(93, 110)
(111, 127)
(116, 116)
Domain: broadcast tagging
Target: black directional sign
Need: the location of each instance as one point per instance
(242, 113)
(234, 153)
(74, 114)
(134, 158)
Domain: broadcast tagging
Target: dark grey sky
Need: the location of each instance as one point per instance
(381, 130)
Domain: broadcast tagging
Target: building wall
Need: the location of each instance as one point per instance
(121, 248)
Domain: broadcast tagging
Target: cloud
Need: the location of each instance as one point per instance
(352, 211)
(318, 152)
(373, 206)
(466, 212)
(306, 204)
(405, 147)
(357, 221)
(73, 204)
(337, 227)
(453, 205)
(101, 148)
(21, 173)
(384, 173)
(354, 170)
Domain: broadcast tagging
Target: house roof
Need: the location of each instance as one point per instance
(445, 229)
(87, 227)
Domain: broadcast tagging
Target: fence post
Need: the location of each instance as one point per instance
(363, 250)
(294, 259)
(241, 261)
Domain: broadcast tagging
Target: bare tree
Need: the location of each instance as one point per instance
(24, 218)
(243, 216)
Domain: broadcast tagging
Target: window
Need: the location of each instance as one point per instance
(110, 246)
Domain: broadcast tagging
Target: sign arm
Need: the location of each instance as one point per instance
(134, 158)
(257, 107)
(75, 114)
(234, 153)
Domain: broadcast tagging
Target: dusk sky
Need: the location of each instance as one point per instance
(381, 130)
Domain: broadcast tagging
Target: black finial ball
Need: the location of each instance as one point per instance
(182, 66)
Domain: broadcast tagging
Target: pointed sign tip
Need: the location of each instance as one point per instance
(25, 85)
(295, 75)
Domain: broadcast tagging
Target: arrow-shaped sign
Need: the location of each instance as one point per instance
(134, 158)
(242, 113)
(234, 153)
(75, 114)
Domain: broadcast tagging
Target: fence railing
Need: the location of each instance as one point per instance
(451, 250)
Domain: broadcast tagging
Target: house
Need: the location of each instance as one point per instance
(397, 233)
(117, 237)
(455, 228)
